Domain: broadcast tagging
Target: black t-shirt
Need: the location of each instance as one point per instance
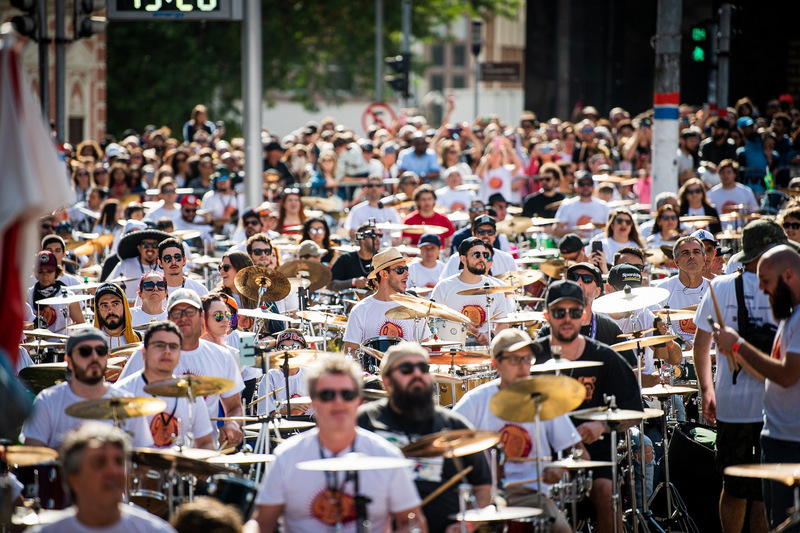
(606, 331)
(379, 418)
(349, 266)
(614, 377)
(534, 205)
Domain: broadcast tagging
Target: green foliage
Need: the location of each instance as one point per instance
(314, 51)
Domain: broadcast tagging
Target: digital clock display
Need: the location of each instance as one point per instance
(174, 9)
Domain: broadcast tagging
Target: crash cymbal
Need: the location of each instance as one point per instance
(555, 395)
(429, 308)
(421, 291)
(521, 278)
(120, 279)
(555, 268)
(92, 270)
(282, 424)
(541, 221)
(39, 332)
(354, 462)
(126, 350)
(786, 473)
(486, 289)
(561, 364)
(667, 390)
(649, 412)
(142, 327)
(604, 414)
(39, 377)
(468, 187)
(179, 387)
(42, 344)
(252, 280)
(27, 455)
(240, 458)
(206, 260)
(315, 272)
(85, 286)
(452, 443)
(642, 342)
(319, 317)
(419, 229)
(629, 300)
(674, 314)
(698, 220)
(459, 358)
(405, 249)
(729, 236)
(186, 463)
(438, 377)
(493, 514)
(571, 463)
(458, 217)
(186, 234)
(636, 334)
(553, 205)
(65, 299)
(372, 352)
(318, 202)
(435, 344)
(521, 318)
(119, 407)
(514, 226)
(259, 313)
(403, 313)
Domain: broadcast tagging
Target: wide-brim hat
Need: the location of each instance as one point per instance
(759, 236)
(128, 244)
(385, 259)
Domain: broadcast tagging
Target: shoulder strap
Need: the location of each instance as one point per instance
(741, 313)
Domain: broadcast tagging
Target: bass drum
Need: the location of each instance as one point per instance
(44, 482)
(370, 364)
(235, 491)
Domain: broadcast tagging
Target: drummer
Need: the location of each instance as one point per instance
(275, 379)
(113, 316)
(87, 357)
(153, 295)
(409, 414)
(484, 228)
(56, 244)
(312, 501)
(172, 260)
(161, 353)
(52, 317)
(512, 353)
(351, 270)
(368, 318)
(426, 270)
(138, 253)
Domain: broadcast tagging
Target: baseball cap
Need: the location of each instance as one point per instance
(596, 272)
(250, 213)
(309, 248)
(190, 199)
(704, 235)
(624, 274)
(46, 260)
(564, 290)
(743, 122)
(509, 340)
(87, 333)
(108, 288)
(483, 220)
(430, 238)
(570, 243)
(396, 353)
(184, 296)
(496, 197)
(54, 238)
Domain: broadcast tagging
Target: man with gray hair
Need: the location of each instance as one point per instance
(94, 459)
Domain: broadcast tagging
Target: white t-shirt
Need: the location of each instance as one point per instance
(498, 180)
(682, 296)
(133, 520)
(422, 276)
(517, 437)
(208, 359)
(573, 212)
(161, 212)
(49, 424)
(368, 319)
(738, 194)
(363, 212)
(743, 402)
(502, 262)
(139, 316)
(304, 495)
(132, 268)
(223, 205)
(474, 306)
(610, 246)
(189, 283)
(454, 200)
(276, 380)
(174, 420)
(780, 404)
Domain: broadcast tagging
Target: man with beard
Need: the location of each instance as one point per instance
(87, 356)
(113, 316)
(718, 146)
(172, 260)
(585, 208)
(474, 255)
(565, 309)
(138, 253)
(251, 225)
(407, 415)
(484, 228)
(189, 220)
(352, 268)
(535, 205)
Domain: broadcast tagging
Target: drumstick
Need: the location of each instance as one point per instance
(731, 359)
(251, 404)
(449, 483)
(521, 482)
(485, 321)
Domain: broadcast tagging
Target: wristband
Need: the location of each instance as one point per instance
(353, 282)
(738, 344)
(671, 344)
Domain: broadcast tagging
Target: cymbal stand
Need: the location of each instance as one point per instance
(285, 369)
(613, 425)
(637, 515)
(489, 302)
(794, 517)
(188, 439)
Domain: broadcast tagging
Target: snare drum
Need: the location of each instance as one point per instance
(235, 491)
(450, 393)
(450, 330)
(147, 490)
(44, 482)
(382, 343)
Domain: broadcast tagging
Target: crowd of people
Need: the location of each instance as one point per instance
(368, 255)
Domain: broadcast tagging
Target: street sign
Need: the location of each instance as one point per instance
(506, 72)
(174, 10)
(379, 114)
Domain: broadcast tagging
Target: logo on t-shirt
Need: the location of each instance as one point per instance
(475, 313)
(329, 505)
(687, 325)
(495, 182)
(588, 382)
(776, 348)
(457, 206)
(585, 219)
(516, 441)
(390, 329)
(164, 428)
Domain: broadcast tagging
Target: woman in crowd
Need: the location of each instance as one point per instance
(323, 180)
(694, 202)
(151, 300)
(179, 161)
(621, 232)
(666, 226)
(82, 182)
(119, 181)
(317, 230)
(290, 211)
(110, 214)
(233, 262)
(789, 219)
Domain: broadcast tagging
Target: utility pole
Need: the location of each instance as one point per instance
(253, 89)
(407, 49)
(666, 98)
(379, 50)
(477, 44)
(61, 74)
(44, 63)
(724, 58)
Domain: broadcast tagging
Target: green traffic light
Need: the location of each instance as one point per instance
(698, 34)
(698, 54)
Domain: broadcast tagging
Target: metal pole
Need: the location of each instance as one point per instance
(44, 63)
(253, 90)
(477, 82)
(563, 10)
(61, 73)
(407, 43)
(477, 44)
(379, 50)
(713, 28)
(666, 98)
(724, 57)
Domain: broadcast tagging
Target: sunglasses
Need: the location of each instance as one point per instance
(586, 184)
(624, 221)
(694, 191)
(258, 252)
(316, 231)
(478, 255)
(482, 232)
(219, 316)
(223, 178)
(408, 368)
(168, 191)
(190, 211)
(153, 285)
(292, 190)
(86, 351)
(517, 359)
(548, 178)
(170, 258)
(669, 217)
(791, 225)
(373, 186)
(189, 312)
(399, 270)
(476, 209)
(328, 395)
(225, 268)
(252, 222)
(574, 313)
(586, 278)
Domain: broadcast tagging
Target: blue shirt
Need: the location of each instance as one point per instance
(428, 162)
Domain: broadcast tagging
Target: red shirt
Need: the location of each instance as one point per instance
(437, 219)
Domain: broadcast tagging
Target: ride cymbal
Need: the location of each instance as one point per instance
(521, 278)
(786, 473)
(315, 272)
(27, 455)
(553, 395)
(429, 308)
(629, 300)
(255, 281)
(486, 289)
(179, 387)
(354, 462)
(642, 342)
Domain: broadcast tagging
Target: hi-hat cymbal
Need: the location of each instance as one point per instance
(636, 334)
(240, 458)
(404, 313)
(320, 317)
(493, 514)
(541, 221)
(39, 332)
(521, 317)
(252, 280)
(119, 407)
(521, 278)
(642, 342)
(786, 473)
(604, 414)
(315, 272)
(296, 358)
(514, 226)
(554, 395)
(318, 202)
(561, 364)
(85, 286)
(64, 299)
(633, 300)
(675, 314)
(570, 463)
(436, 344)
(667, 390)
(27, 455)
(167, 459)
(429, 308)
(354, 462)
(452, 443)
(260, 313)
(405, 249)
(486, 289)
(282, 424)
(39, 377)
(555, 268)
(186, 234)
(179, 387)
(438, 377)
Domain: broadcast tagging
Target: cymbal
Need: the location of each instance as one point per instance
(320, 317)
(391, 226)
(429, 308)
(166, 459)
(458, 216)
(377, 354)
(120, 279)
(553, 205)
(636, 334)
(525, 300)
(486, 289)
(649, 412)
(119, 407)
(438, 377)
(27, 455)
(353, 462)
(315, 272)
(555, 268)
(42, 344)
(179, 387)
(91, 270)
(468, 187)
(126, 350)
(186, 234)
(251, 280)
(561, 364)
(240, 458)
(39, 332)
(698, 220)
(452, 443)
(259, 313)
(521, 317)
(318, 202)
(786, 473)
(521, 278)
(420, 291)
(571, 463)
(493, 514)
(85, 286)
(206, 260)
(674, 314)
(283, 425)
(728, 235)
(434, 344)
(459, 358)
(604, 414)
(142, 327)
(633, 300)
(297, 358)
(642, 342)
(555, 395)
(541, 221)
(667, 390)
(514, 226)
(419, 229)
(403, 313)
(296, 399)
(405, 249)
(64, 299)
(44, 375)
(371, 395)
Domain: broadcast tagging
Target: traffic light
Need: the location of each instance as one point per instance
(699, 44)
(83, 23)
(402, 66)
(26, 24)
